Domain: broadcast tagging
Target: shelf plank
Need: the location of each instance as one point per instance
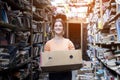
(108, 67)
(3, 46)
(108, 43)
(116, 42)
(40, 4)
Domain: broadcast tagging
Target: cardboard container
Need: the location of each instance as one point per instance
(54, 61)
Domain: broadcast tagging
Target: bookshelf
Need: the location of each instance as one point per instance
(23, 34)
(105, 41)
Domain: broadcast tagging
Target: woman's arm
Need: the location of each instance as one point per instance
(71, 45)
(47, 46)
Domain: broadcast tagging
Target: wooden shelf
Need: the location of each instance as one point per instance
(12, 27)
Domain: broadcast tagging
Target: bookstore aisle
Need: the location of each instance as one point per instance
(91, 70)
(92, 25)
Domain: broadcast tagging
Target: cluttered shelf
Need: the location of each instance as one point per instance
(111, 20)
(114, 69)
(13, 67)
(107, 24)
(37, 17)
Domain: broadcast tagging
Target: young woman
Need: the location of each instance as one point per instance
(57, 43)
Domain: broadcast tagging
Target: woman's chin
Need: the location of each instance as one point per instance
(58, 33)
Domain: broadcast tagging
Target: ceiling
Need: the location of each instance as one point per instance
(72, 8)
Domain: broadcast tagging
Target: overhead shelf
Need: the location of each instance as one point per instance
(16, 6)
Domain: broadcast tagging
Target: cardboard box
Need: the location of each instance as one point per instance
(54, 61)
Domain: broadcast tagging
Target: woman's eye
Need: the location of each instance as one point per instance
(58, 25)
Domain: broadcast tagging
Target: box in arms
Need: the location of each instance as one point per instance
(54, 61)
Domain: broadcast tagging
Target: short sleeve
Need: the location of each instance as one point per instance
(71, 45)
(47, 46)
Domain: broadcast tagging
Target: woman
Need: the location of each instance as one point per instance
(57, 43)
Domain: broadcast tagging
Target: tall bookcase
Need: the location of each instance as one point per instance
(103, 36)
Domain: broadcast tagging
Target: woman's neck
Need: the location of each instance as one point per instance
(58, 37)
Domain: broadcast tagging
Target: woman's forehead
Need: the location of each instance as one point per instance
(58, 22)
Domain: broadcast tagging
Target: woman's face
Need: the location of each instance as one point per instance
(58, 28)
